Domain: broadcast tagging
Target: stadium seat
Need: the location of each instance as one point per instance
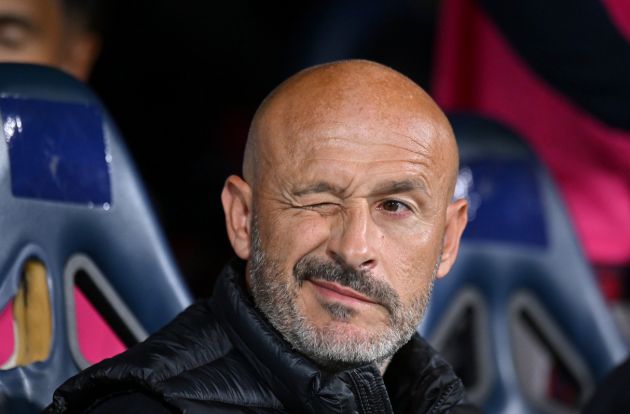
(520, 316)
(84, 268)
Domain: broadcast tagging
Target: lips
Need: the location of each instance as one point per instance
(335, 290)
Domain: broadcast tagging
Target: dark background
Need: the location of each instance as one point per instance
(183, 78)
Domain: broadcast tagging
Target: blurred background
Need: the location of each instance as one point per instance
(182, 80)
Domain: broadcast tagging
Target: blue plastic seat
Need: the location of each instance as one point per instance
(520, 315)
(75, 227)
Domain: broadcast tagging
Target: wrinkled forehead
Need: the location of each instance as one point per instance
(357, 112)
(357, 139)
(356, 128)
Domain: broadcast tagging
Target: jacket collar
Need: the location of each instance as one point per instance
(419, 380)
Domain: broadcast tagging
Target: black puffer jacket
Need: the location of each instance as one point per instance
(221, 355)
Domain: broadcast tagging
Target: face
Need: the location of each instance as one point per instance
(35, 31)
(348, 222)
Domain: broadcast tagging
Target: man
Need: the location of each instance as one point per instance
(60, 33)
(342, 220)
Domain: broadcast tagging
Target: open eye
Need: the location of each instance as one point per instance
(394, 206)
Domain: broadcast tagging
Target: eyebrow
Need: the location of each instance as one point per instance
(397, 187)
(319, 187)
(8, 19)
(389, 187)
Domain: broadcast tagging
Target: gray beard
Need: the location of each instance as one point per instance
(331, 346)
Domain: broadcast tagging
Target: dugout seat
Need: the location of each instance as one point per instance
(520, 316)
(84, 268)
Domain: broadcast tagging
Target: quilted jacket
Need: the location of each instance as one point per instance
(222, 356)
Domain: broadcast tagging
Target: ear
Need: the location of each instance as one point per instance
(81, 50)
(237, 206)
(456, 219)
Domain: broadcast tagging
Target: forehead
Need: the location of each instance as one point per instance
(318, 121)
(356, 141)
(354, 120)
(352, 152)
(36, 10)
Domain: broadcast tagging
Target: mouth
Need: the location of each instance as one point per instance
(331, 290)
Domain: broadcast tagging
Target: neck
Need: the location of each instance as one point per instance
(383, 364)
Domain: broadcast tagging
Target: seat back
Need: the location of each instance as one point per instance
(520, 315)
(84, 268)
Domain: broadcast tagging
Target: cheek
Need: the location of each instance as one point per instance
(409, 245)
(410, 261)
(293, 235)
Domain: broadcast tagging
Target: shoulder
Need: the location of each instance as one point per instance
(127, 403)
(191, 361)
(133, 402)
(193, 340)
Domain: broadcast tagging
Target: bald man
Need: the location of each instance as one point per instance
(343, 219)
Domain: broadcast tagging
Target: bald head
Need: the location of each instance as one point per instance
(356, 92)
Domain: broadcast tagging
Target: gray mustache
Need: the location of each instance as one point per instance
(310, 268)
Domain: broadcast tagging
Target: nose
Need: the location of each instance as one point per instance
(353, 238)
